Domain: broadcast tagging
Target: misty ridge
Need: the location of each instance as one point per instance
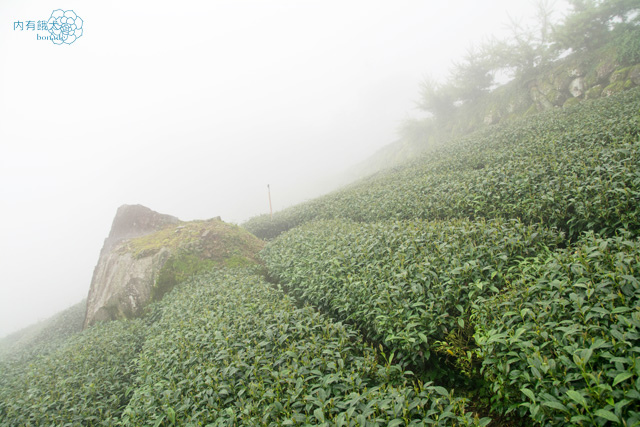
(481, 270)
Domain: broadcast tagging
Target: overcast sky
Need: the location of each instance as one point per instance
(192, 108)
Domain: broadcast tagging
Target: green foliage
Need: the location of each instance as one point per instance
(564, 343)
(226, 348)
(178, 268)
(428, 289)
(437, 99)
(86, 381)
(213, 239)
(526, 52)
(627, 42)
(522, 55)
(408, 284)
(592, 22)
(473, 76)
(574, 169)
(231, 350)
(44, 336)
(532, 57)
(507, 260)
(195, 247)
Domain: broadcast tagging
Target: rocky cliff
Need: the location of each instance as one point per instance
(562, 84)
(566, 83)
(147, 253)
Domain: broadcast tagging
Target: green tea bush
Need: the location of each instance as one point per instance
(576, 170)
(229, 349)
(86, 381)
(407, 284)
(44, 336)
(563, 344)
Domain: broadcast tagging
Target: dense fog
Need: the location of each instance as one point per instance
(192, 109)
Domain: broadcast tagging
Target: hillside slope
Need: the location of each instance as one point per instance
(225, 348)
(46, 334)
(147, 254)
(494, 282)
(506, 264)
(573, 169)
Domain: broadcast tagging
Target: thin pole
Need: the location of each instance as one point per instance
(270, 208)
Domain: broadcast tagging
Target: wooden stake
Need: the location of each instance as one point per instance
(270, 208)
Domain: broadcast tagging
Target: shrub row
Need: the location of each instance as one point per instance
(44, 336)
(408, 284)
(85, 381)
(231, 350)
(574, 169)
(563, 345)
(225, 349)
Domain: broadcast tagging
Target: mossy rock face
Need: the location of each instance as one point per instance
(135, 271)
(562, 80)
(634, 74)
(594, 92)
(491, 117)
(531, 110)
(571, 102)
(552, 95)
(211, 239)
(618, 86)
(577, 87)
(591, 79)
(606, 66)
(540, 99)
(619, 75)
(195, 247)
(613, 88)
(558, 98)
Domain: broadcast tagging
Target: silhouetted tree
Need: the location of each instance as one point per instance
(528, 50)
(474, 75)
(591, 23)
(526, 54)
(416, 131)
(437, 99)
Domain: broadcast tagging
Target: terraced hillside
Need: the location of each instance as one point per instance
(505, 265)
(44, 335)
(224, 349)
(573, 169)
(496, 281)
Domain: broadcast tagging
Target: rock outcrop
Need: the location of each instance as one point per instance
(565, 83)
(570, 84)
(120, 283)
(147, 253)
(135, 221)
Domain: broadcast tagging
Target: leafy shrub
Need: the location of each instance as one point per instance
(575, 169)
(44, 336)
(564, 343)
(422, 258)
(408, 284)
(86, 381)
(627, 42)
(231, 350)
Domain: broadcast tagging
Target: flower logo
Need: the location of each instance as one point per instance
(65, 26)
